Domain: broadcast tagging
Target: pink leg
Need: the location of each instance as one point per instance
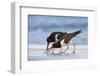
(74, 49)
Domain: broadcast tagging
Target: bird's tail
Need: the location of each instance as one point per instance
(77, 32)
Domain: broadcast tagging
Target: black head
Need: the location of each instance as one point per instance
(49, 39)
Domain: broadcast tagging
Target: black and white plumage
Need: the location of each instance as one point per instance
(65, 40)
(54, 37)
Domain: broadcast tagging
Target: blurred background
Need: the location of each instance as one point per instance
(41, 26)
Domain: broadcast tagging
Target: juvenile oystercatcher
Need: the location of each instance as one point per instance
(64, 40)
(54, 37)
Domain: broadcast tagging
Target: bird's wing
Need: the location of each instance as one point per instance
(61, 38)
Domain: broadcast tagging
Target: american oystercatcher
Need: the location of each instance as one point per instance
(65, 40)
(54, 37)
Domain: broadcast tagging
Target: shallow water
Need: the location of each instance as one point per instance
(38, 54)
(59, 57)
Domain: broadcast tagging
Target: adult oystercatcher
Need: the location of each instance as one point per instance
(54, 37)
(64, 40)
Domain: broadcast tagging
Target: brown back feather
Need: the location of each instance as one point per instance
(67, 37)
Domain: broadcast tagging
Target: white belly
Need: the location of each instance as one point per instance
(62, 43)
(72, 41)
